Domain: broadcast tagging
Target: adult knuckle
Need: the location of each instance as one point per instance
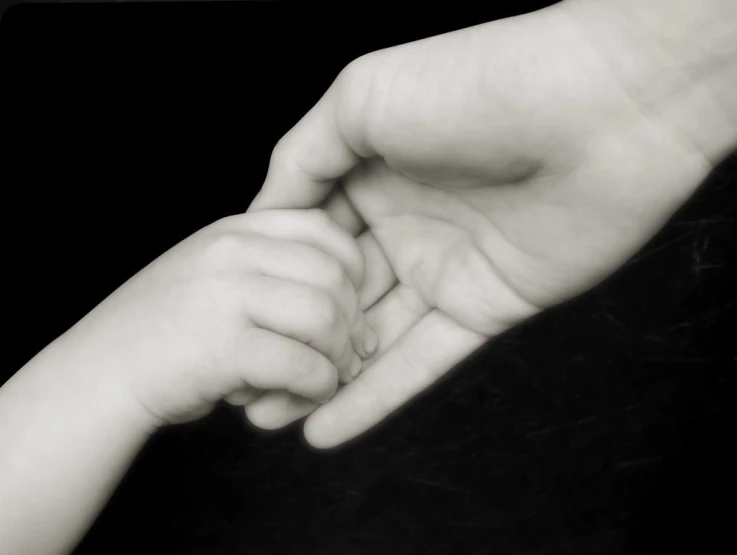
(288, 159)
(357, 70)
(414, 358)
(280, 151)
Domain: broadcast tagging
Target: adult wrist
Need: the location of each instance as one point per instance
(677, 59)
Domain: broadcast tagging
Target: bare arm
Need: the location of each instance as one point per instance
(67, 436)
(679, 58)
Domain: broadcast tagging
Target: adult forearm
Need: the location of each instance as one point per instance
(676, 58)
(66, 438)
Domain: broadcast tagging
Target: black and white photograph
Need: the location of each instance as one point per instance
(332, 278)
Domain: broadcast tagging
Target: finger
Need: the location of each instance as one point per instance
(378, 281)
(378, 274)
(305, 264)
(268, 360)
(449, 254)
(312, 227)
(243, 396)
(277, 409)
(307, 160)
(416, 361)
(303, 313)
(379, 278)
(397, 312)
(341, 210)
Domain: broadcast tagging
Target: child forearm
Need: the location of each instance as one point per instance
(67, 436)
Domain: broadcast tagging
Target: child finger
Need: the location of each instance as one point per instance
(338, 207)
(269, 360)
(244, 396)
(306, 264)
(277, 409)
(304, 313)
(313, 227)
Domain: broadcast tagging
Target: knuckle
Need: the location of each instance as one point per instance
(223, 247)
(281, 150)
(320, 217)
(358, 262)
(318, 373)
(324, 314)
(327, 380)
(303, 362)
(415, 360)
(334, 275)
(355, 71)
(287, 158)
(228, 223)
(354, 99)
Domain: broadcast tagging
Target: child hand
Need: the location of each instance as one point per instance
(265, 300)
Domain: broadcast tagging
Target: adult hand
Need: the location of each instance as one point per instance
(498, 170)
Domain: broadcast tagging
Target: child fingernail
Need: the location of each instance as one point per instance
(371, 341)
(356, 366)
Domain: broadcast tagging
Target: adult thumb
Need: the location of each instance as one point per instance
(322, 147)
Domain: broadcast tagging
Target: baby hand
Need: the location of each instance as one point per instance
(265, 300)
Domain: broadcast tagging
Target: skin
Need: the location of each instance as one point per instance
(226, 309)
(496, 171)
(483, 187)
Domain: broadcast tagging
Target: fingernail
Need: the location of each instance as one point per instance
(356, 366)
(371, 341)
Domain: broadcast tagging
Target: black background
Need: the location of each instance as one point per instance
(600, 427)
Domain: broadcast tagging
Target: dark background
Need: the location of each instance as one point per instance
(600, 427)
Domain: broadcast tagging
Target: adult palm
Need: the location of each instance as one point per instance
(489, 173)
